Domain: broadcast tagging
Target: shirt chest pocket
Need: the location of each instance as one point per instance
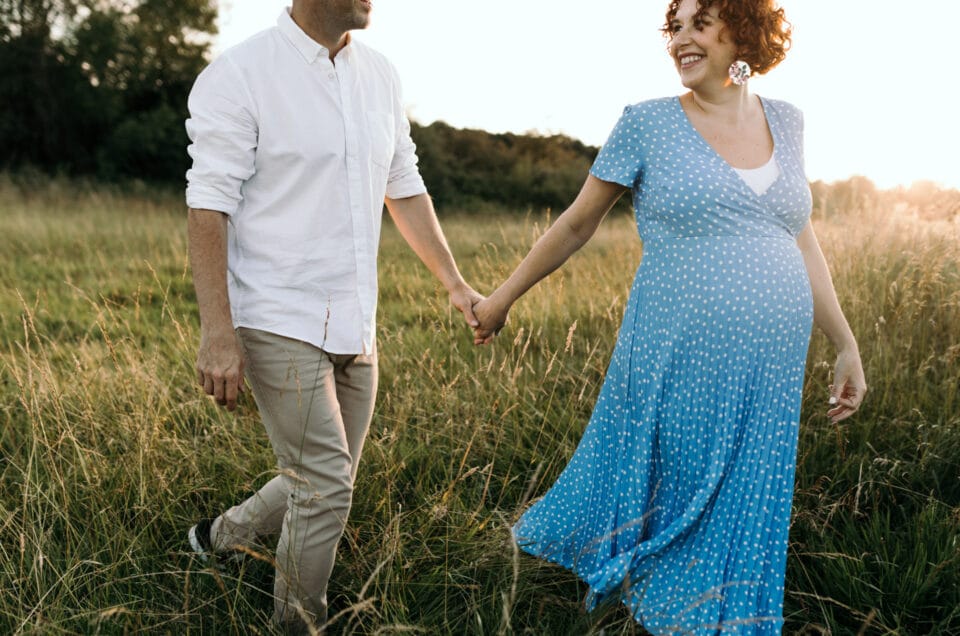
(382, 137)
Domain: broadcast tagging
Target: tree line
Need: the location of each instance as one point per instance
(99, 88)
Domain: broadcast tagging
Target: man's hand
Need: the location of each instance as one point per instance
(220, 367)
(464, 298)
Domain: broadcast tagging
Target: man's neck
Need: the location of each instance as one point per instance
(322, 32)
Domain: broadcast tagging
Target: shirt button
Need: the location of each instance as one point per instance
(331, 75)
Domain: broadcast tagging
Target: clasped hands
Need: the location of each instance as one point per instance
(485, 315)
(491, 316)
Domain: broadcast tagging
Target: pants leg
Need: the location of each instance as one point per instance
(316, 408)
(260, 515)
(356, 382)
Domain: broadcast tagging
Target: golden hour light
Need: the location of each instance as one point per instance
(355, 317)
(869, 76)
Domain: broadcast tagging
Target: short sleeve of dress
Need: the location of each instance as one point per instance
(621, 159)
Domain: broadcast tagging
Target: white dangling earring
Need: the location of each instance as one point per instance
(739, 72)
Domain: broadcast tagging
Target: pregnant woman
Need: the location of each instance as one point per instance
(677, 499)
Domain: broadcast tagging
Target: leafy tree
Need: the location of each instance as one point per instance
(466, 169)
(44, 94)
(100, 85)
(161, 47)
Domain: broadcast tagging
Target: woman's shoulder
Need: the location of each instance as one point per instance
(648, 113)
(650, 106)
(783, 108)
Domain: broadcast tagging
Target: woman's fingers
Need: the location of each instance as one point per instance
(845, 401)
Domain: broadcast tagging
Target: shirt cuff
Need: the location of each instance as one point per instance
(407, 186)
(201, 198)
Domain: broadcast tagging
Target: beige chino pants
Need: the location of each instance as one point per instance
(316, 408)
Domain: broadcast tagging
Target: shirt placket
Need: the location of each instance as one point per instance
(363, 247)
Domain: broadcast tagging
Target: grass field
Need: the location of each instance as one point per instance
(109, 451)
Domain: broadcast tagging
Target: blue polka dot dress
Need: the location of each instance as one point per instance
(677, 499)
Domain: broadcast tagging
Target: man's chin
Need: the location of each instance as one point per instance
(362, 21)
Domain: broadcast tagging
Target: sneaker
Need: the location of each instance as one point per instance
(202, 545)
(199, 538)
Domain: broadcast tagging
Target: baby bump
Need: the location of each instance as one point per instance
(723, 283)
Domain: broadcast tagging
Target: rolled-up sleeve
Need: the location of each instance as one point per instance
(223, 133)
(404, 179)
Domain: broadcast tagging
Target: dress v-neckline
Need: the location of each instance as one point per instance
(719, 157)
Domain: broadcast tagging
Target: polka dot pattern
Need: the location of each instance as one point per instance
(677, 499)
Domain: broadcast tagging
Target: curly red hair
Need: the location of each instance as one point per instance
(759, 29)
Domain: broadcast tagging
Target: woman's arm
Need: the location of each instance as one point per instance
(849, 385)
(568, 234)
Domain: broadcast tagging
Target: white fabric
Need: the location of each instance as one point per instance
(760, 179)
(300, 152)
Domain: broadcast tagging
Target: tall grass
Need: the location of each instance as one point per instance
(109, 451)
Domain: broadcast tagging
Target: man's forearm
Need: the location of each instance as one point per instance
(207, 239)
(417, 222)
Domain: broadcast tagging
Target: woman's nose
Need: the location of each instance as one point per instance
(678, 42)
(679, 38)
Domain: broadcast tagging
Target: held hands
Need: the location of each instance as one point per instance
(220, 367)
(464, 297)
(849, 385)
(484, 315)
(491, 316)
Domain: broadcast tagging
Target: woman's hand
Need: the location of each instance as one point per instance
(492, 316)
(849, 385)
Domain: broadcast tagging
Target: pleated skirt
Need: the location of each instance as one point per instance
(677, 499)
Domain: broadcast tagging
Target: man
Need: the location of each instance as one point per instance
(298, 138)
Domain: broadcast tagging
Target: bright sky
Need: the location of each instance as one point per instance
(873, 77)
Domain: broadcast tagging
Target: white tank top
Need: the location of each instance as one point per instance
(759, 179)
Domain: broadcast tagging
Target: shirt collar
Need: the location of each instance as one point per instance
(309, 49)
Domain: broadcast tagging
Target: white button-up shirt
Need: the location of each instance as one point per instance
(300, 152)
